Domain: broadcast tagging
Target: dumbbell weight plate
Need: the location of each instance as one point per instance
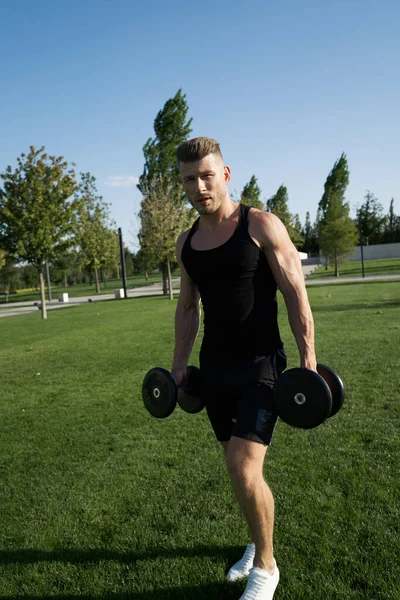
(303, 398)
(336, 386)
(191, 397)
(159, 393)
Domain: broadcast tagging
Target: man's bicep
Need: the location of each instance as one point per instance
(285, 264)
(282, 256)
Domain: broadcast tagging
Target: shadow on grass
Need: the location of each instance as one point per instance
(211, 591)
(376, 305)
(30, 556)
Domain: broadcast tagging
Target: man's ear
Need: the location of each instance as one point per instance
(227, 174)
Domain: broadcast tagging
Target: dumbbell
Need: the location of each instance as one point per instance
(304, 399)
(160, 392)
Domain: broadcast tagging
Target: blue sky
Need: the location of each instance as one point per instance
(285, 87)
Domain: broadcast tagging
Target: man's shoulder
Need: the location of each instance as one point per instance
(181, 239)
(263, 226)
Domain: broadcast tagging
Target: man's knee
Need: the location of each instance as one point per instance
(244, 461)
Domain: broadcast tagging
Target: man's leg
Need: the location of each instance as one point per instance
(245, 461)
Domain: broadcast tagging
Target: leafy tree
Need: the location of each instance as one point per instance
(310, 239)
(371, 219)
(162, 221)
(96, 237)
(337, 233)
(171, 127)
(278, 204)
(250, 195)
(37, 214)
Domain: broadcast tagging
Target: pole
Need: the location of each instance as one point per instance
(122, 256)
(361, 245)
(48, 280)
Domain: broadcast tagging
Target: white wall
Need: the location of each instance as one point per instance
(376, 251)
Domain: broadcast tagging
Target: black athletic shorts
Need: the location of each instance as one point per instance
(242, 392)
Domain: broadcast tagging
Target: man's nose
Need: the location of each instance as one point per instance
(201, 186)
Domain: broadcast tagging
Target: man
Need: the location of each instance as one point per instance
(233, 259)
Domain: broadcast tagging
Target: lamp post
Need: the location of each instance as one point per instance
(122, 256)
(361, 242)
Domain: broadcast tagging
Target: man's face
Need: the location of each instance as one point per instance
(204, 182)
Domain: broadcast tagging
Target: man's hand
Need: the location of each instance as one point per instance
(179, 376)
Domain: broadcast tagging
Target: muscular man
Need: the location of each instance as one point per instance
(233, 259)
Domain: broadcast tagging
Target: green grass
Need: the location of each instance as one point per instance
(100, 501)
(78, 290)
(384, 266)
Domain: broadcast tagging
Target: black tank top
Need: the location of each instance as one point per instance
(238, 293)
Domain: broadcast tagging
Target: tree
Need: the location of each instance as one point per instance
(171, 128)
(37, 214)
(162, 221)
(96, 236)
(337, 233)
(278, 204)
(335, 185)
(392, 226)
(9, 276)
(250, 195)
(371, 219)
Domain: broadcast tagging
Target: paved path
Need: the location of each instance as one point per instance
(330, 280)
(18, 308)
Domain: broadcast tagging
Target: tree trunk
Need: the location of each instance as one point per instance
(65, 279)
(164, 271)
(96, 274)
(326, 264)
(6, 292)
(146, 275)
(117, 271)
(42, 293)
(171, 293)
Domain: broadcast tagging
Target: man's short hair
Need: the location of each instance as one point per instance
(196, 149)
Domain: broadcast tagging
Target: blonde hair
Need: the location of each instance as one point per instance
(197, 148)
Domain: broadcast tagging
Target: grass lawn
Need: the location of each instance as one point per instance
(76, 291)
(100, 501)
(385, 266)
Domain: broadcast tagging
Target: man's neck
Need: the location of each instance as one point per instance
(226, 212)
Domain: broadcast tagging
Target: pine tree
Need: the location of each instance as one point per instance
(250, 195)
(371, 219)
(310, 244)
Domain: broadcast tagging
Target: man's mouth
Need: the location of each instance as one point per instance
(203, 200)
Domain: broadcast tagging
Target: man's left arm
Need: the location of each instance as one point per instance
(285, 264)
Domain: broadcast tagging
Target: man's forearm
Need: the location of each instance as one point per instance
(187, 322)
(302, 324)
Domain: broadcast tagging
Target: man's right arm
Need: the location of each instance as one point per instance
(187, 318)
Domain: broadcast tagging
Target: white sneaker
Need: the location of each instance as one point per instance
(261, 584)
(242, 568)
